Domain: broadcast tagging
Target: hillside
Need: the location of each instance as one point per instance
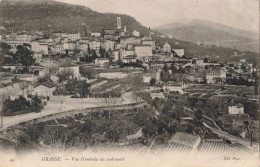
(32, 15)
(199, 31)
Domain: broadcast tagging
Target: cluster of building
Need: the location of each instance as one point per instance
(122, 44)
(201, 71)
(127, 47)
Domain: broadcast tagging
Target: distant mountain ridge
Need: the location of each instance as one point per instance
(201, 31)
(231, 30)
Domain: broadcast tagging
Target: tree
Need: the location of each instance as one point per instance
(165, 68)
(94, 54)
(152, 81)
(53, 70)
(173, 68)
(198, 115)
(5, 47)
(18, 106)
(24, 55)
(36, 105)
(45, 78)
(165, 76)
(22, 86)
(4, 50)
(83, 88)
(87, 72)
(149, 129)
(36, 72)
(60, 92)
(109, 100)
(102, 52)
(65, 74)
(89, 51)
(137, 86)
(23, 141)
(206, 60)
(56, 138)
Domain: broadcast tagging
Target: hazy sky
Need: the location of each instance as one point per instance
(241, 14)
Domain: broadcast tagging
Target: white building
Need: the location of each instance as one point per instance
(118, 46)
(216, 75)
(124, 53)
(23, 38)
(96, 34)
(54, 78)
(129, 40)
(101, 61)
(179, 52)
(149, 42)
(129, 59)
(74, 36)
(142, 51)
(58, 48)
(83, 46)
(45, 89)
(136, 33)
(94, 45)
(236, 108)
(39, 47)
(116, 55)
(174, 88)
(108, 44)
(69, 46)
(147, 78)
(242, 60)
(167, 47)
(73, 69)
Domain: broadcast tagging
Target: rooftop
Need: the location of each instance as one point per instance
(184, 139)
(47, 84)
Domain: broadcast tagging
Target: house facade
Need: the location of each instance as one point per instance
(167, 47)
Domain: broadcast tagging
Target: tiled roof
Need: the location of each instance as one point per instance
(184, 139)
(177, 148)
(217, 147)
(47, 84)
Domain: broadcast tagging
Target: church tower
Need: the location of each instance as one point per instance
(118, 22)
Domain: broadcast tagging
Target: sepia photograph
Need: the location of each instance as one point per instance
(134, 83)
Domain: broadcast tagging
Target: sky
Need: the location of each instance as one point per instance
(241, 14)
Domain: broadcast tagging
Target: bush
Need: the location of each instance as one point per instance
(22, 105)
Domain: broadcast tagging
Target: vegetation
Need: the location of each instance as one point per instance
(22, 55)
(61, 16)
(21, 105)
(137, 64)
(89, 57)
(152, 81)
(75, 87)
(87, 72)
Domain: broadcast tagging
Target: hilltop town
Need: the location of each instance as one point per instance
(122, 88)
